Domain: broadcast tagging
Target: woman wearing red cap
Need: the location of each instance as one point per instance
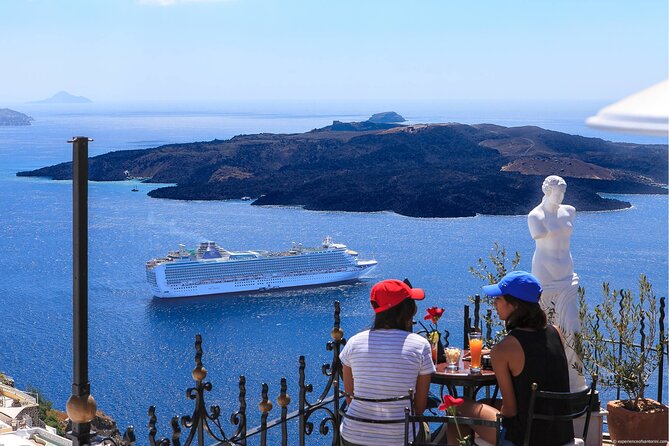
(531, 352)
(385, 362)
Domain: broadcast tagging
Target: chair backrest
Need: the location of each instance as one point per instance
(408, 397)
(574, 405)
(446, 420)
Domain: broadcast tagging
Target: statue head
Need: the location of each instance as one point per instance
(554, 187)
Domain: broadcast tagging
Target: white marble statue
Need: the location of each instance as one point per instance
(551, 224)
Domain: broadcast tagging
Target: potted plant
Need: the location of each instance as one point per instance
(619, 341)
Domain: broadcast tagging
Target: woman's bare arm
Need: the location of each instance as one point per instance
(420, 393)
(501, 355)
(348, 382)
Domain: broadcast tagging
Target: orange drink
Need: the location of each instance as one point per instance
(433, 339)
(475, 346)
(435, 350)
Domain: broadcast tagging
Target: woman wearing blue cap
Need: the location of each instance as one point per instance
(384, 363)
(531, 352)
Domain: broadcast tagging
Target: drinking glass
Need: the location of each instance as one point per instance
(475, 346)
(434, 341)
(452, 358)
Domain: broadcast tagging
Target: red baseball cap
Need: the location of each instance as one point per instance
(392, 292)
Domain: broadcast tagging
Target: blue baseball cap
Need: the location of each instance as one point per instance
(519, 284)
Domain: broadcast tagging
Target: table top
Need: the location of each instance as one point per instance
(462, 376)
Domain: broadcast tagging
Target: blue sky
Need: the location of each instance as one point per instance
(344, 50)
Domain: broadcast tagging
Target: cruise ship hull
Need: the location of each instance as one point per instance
(272, 282)
(210, 269)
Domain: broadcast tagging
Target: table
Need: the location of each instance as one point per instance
(470, 383)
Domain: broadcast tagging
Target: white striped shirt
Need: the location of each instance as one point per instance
(385, 364)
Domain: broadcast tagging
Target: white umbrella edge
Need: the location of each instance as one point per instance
(646, 112)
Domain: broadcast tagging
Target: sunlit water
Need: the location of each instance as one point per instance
(141, 348)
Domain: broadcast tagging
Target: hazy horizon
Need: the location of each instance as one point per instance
(246, 51)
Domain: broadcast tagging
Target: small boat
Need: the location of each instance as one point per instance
(246, 198)
(134, 189)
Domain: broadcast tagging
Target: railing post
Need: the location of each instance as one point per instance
(302, 404)
(81, 406)
(620, 340)
(477, 310)
(283, 400)
(446, 342)
(265, 407)
(467, 327)
(199, 373)
(337, 335)
(660, 368)
(488, 327)
(241, 414)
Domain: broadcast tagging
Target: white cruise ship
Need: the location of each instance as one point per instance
(213, 270)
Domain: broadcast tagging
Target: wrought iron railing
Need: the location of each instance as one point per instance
(470, 326)
(662, 347)
(205, 427)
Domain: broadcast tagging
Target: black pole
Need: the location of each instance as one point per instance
(81, 405)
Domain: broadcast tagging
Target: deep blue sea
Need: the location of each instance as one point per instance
(141, 349)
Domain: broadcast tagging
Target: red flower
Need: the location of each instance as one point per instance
(449, 402)
(449, 405)
(434, 314)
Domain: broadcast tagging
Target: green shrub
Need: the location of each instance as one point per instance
(491, 270)
(618, 340)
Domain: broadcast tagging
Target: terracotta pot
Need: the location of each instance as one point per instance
(628, 427)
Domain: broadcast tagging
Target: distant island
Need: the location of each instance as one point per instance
(63, 97)
(386, 118)
(435, 170)
(378, 121)
(12, 117)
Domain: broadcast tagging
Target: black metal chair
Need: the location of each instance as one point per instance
(576, 404)
(408, 397)
(446, 420)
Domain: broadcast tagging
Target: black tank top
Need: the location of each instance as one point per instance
(546, 365)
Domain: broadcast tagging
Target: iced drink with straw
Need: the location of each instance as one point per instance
(475, 347)
(433, 338)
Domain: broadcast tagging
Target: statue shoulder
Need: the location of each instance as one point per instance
(536, 223)
(571, 210)
(536, 214)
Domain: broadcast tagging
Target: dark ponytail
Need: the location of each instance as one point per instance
(526, 315)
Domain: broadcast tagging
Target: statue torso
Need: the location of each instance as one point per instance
(552, 231)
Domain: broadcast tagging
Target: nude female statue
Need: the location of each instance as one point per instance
(551, 224)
